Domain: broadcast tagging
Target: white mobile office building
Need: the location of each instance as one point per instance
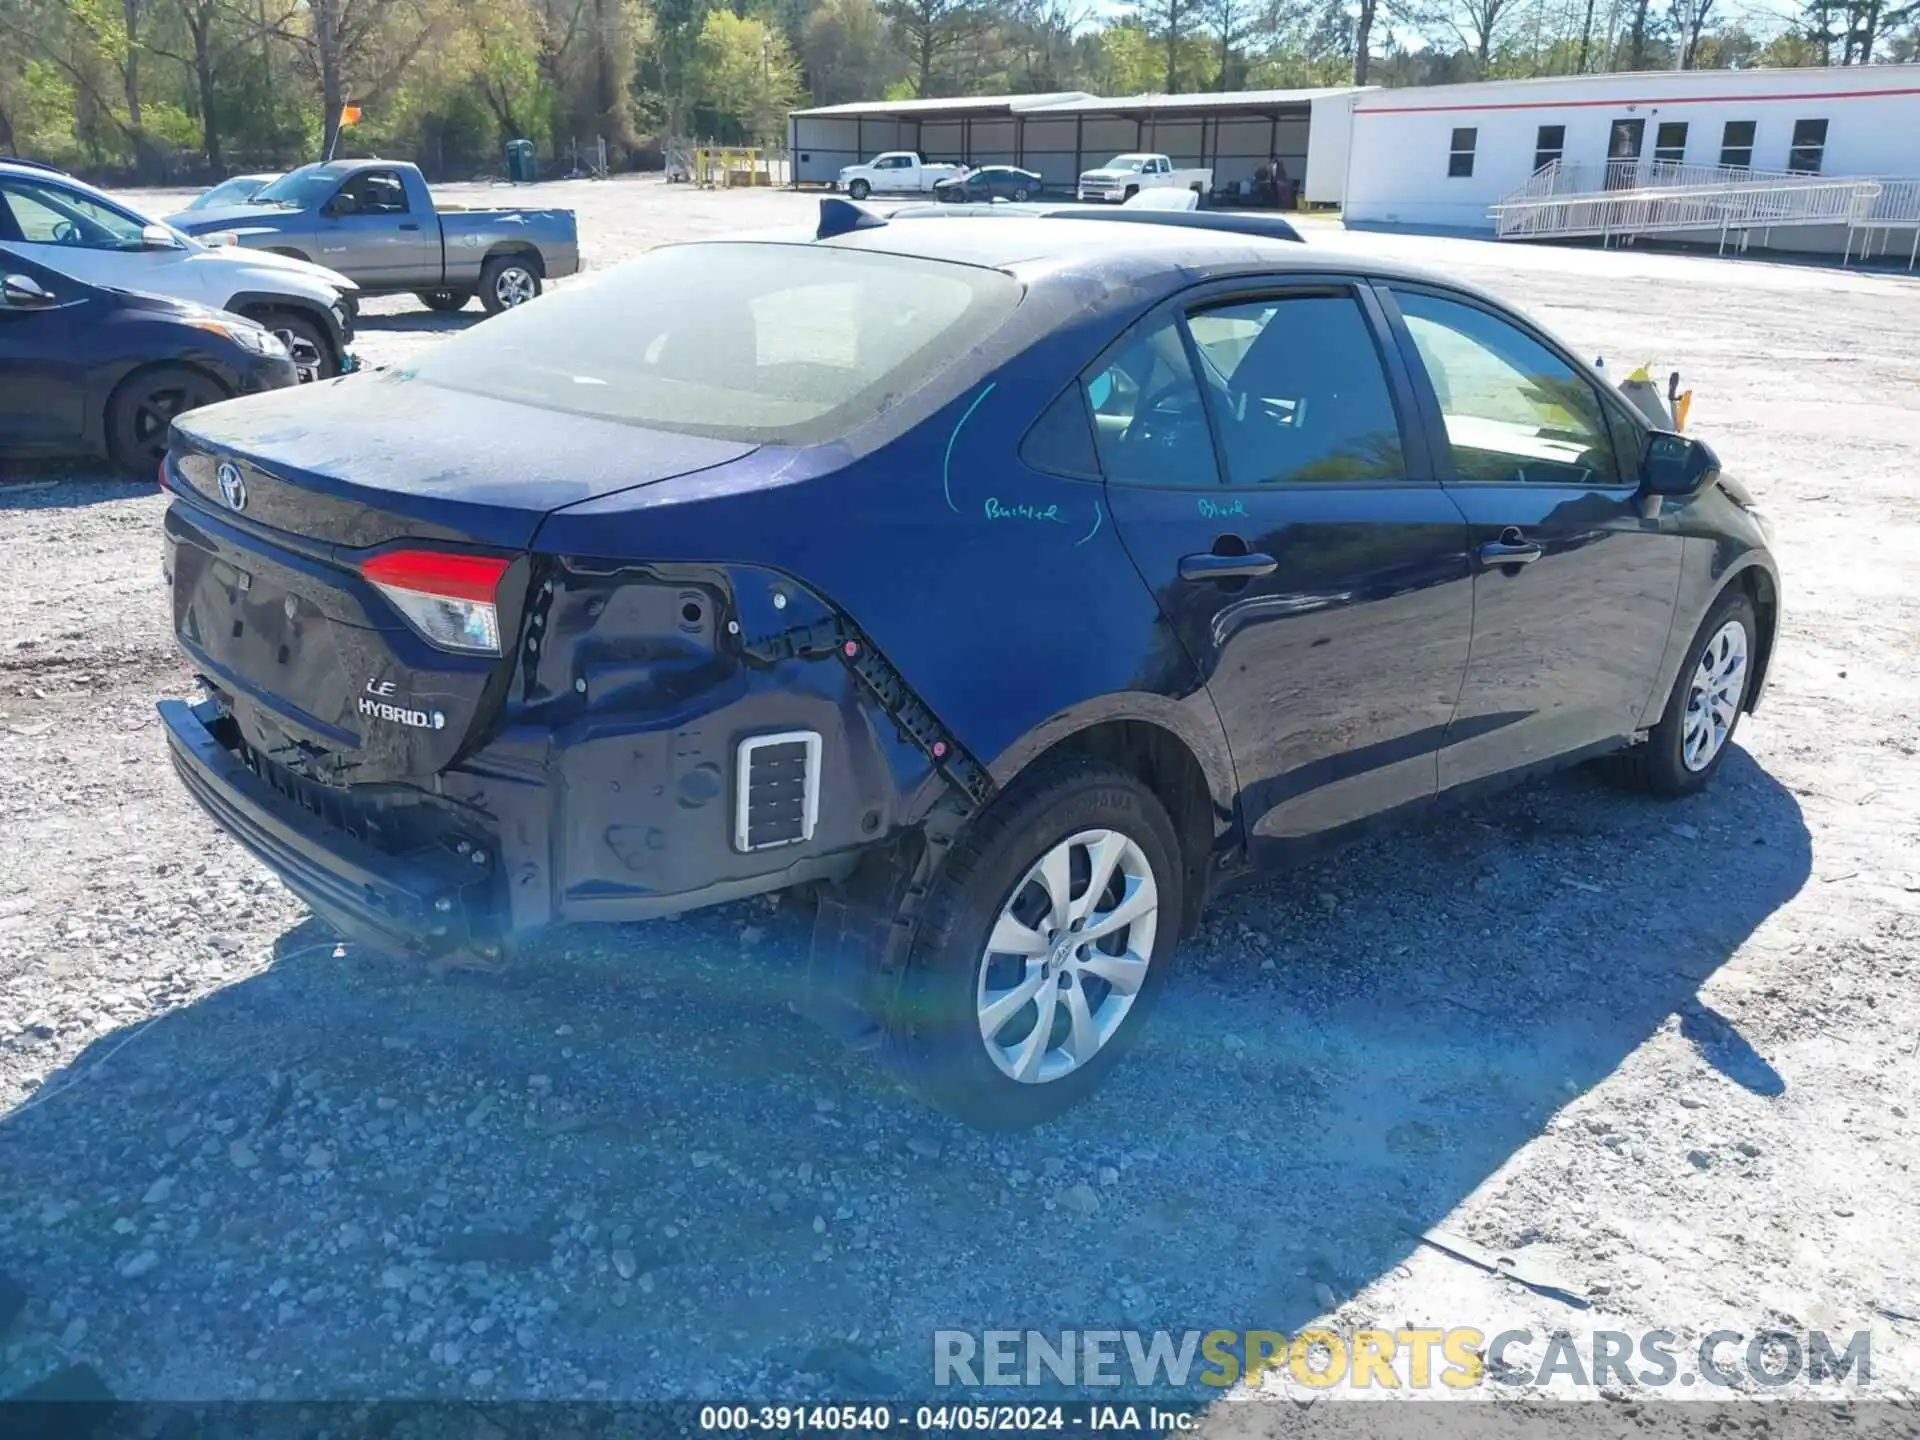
(1441, 155)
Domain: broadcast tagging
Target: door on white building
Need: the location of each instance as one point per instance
(1623, 153)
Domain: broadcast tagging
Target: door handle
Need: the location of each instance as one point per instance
(1512, 548)
(1209, 565)
(408, 225)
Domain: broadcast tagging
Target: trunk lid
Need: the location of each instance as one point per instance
(324, 674)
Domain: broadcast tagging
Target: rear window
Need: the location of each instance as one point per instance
(787, 345)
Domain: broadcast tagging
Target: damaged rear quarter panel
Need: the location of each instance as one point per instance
(1001, 594)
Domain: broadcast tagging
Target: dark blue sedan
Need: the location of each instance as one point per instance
(991, 182)
(1011, 587)
(87, 370)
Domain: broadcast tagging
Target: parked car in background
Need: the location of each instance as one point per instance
(57, 221)
(235, 190)
(622, 605)
(897, 172)
(89, 370)
(991, 182)
(1125, 176)
(375, 221)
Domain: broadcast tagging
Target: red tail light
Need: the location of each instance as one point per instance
(452, 600)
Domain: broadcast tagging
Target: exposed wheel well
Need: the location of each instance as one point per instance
(290, 253)
(1163, 763)
(264, 310)
(1766, 608)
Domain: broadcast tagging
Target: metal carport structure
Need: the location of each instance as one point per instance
(1229, 132)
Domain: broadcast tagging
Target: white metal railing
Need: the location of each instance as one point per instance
(1896, 207)
(1622, 199)
(1559, 178)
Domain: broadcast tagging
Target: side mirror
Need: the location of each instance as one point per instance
(1678, 465)
(23, 292)
(157, 237)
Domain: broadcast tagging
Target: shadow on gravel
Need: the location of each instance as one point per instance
(435, 322)
(66, 484)
(623, 1169)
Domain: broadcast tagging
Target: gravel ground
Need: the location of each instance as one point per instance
(1655, 1062)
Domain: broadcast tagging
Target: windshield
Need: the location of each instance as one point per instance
(236, 191)
(736, 341)
(1128, 162)
(300, 189)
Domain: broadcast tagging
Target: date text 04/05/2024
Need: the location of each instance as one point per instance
(831, 1419)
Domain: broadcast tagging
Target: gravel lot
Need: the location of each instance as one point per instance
(1657, 1060)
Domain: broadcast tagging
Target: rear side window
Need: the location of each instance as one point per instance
(1298, 391)
(787, 345)
(1149, 423)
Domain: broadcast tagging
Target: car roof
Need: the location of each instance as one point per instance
(1035, 246)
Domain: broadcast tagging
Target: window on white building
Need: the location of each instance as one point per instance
(1809, 145)
(1460, 157)
(1736, 145)
(1548, 146)
(1670, 142)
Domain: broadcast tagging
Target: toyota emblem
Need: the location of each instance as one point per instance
(233, 489)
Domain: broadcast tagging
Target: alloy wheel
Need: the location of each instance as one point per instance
(1713, 698)
(513, 286)
(1067, 956)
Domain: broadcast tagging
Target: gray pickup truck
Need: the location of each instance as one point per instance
(375, 222)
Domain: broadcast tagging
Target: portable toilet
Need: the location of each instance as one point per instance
(522, 169)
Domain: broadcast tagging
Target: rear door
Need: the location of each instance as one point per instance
(1574, 586)
(1265, 478)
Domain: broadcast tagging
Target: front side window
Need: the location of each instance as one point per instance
(1460, 156)
(1549, 144)
(1298, 391)
(374, 192)
(789, 345)
(1150, 426)
(1514, 410)
(1670, 142)
(54, 215)
(1736, 145)
(1809, 145)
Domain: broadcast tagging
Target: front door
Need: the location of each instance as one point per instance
(368, 232)
(1623, 153)
(1574, 587)
(1263, 478)
(43, 365)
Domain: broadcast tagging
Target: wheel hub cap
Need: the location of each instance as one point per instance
(1713, 697)
(1067, 956)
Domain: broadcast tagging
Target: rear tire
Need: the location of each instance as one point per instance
(444, 301)
(142, 407)
(1039, 840)
(1685, 750)
(508, 282)
(1019, 194)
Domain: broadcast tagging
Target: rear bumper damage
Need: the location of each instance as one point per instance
(428, 902)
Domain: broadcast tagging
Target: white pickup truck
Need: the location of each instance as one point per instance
(894, 172)
(1125, 176)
